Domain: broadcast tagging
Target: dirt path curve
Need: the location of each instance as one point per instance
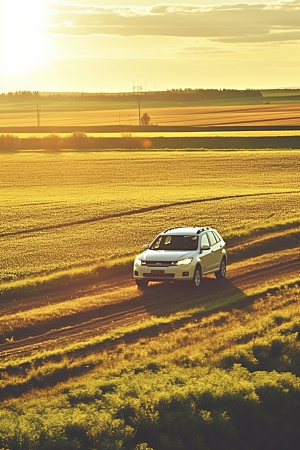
(130, 306)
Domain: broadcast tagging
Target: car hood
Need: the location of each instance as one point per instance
(166, 255)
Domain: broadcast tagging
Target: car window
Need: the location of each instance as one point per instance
(190, 242)
(218, 239)
(167, 240)
(211, 238)
(175, 242)
(204, 240)
(156, 244)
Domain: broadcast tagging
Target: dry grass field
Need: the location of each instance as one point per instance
(241, 115)
(87, 361)
(66, 210)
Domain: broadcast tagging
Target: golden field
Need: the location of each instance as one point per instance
(222, 116)
(65, 210)
(90, 362)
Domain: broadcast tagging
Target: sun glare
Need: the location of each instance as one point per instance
(21, 39)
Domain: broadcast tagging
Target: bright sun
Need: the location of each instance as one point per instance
(21, 40)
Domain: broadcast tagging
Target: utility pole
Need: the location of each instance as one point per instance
(138, 90)
(38, 115)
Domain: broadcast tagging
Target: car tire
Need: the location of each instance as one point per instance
(142, 284)
(221, 273)
(196, 282)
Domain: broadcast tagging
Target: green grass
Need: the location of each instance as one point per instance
(204, 385)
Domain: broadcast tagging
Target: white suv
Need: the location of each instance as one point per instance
(183, 253)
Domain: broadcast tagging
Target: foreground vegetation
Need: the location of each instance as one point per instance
(207, 385)
(186, 371)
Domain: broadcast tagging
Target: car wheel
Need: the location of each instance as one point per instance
(222, 271)
(141, 284)
(197, 277)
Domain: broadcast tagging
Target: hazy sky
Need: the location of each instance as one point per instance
(96, 46)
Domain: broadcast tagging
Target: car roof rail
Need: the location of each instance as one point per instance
(173, 228)
(201, 229)
(195, 226)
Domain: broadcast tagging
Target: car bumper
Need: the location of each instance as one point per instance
(181, 273)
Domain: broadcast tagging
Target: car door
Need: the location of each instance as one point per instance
(216, 250)
(206, 256)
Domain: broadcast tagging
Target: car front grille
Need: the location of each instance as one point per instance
(158, 264)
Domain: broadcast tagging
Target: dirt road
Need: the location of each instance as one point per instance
(120, 306)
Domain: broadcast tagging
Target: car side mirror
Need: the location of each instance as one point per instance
(205, 247)
(146, 246)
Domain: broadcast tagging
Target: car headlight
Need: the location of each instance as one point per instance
(140, 262)
(182, 262)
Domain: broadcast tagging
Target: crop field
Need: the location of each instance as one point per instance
(238, 115)
(87, 361)
(69, 210)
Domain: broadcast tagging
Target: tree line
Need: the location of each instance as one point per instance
(178, 95)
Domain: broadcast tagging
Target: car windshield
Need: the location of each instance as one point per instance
(175, 242)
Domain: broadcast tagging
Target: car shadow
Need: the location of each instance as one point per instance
(163, 299)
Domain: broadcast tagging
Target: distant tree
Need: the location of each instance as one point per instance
(52, 142)
(9, 142)
(79, 141)
(145, 119)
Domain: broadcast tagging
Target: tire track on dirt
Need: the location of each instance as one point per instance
(141, 211)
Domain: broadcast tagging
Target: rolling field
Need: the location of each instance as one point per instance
(87, 361)
(72, 210)
(238, 115)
